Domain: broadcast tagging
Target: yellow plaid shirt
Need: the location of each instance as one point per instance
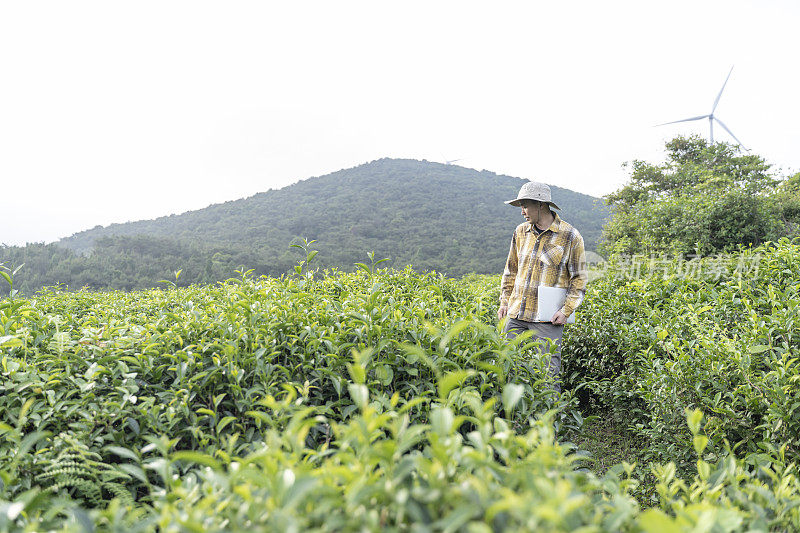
(555, 258)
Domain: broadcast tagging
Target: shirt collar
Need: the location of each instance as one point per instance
(553, 227)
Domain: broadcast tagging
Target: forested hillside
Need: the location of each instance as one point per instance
(429, 215)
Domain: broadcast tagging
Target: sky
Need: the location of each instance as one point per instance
(120, 111)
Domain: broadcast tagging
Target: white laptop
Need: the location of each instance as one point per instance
(551, 299)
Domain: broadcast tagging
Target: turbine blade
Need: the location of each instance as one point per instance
(684, 120)
(720, 91)
(729, 131)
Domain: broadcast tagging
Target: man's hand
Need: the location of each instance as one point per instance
(559, 319)
(503, 311)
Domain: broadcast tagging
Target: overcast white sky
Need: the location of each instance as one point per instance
(119, 111)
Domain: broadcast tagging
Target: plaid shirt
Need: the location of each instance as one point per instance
(555, 258)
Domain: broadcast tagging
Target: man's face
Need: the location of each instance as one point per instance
(531, 210)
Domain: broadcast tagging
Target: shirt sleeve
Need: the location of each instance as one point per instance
(578, 275)
(509, 273)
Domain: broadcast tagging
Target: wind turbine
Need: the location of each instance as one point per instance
(450, 161)
(711, 118)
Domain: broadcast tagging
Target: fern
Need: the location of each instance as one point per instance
(82, 474)
(120, 492)
(85, 489)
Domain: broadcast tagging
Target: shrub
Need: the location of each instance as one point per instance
(649, 348)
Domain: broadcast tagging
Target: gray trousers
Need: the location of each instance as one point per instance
(542, 331)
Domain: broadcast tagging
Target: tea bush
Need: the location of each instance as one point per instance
(722, 339)
(389, 400)
(104, 372)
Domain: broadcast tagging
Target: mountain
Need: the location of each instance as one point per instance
(430, 215)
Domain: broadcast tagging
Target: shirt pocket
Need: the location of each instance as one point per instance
(552, 254)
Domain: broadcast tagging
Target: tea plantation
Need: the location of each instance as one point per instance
(388, 400)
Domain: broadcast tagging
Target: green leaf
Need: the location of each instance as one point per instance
(453, 380)
(122, 452)
(196, 457)
(261, 416)
(134, 470)
(25, 408)
(133, 424)
(297, 491)
(412, 354)
(357, 372)
(453, 332)
(729, 519)
(224, 422)
(82, 517)
(28, 442)
(693, 418)
(10, 341)
(384, 373)
(700, 442)
(512, 394)
(703, 469)
(760, 348)
(415, 353)
(442, 421)
(336, 381)
(359, 393)
(411, 404)
(218, 398)
(655, 521)
(6, 277)
(455, 519)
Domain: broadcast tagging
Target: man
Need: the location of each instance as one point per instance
(545, 251)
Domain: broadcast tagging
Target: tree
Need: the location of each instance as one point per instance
(704, 199)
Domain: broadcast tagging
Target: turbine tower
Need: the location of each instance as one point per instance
(711, 118)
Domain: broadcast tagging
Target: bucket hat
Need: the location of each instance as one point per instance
(533, 190)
